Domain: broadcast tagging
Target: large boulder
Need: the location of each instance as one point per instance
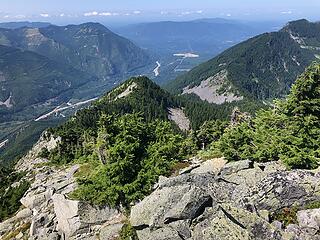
(309, 220)
(32, 200)
(229, 222)
(75, 217)
(24, 213)
(234, 203)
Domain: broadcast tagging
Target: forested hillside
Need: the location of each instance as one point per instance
(129, 128)
(263, 67)
(89, 47)
(27, 78)
(46, 68)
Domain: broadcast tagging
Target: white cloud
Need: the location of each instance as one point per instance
(108, 14)
(62, 15)
(45, 15)
(163, 13)
(229, 15)
(191, 12)
(105, 14)
(137, 12)
(286, 12)
(6, 16)
(89, 14)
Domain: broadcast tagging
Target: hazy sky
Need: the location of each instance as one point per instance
(140, 9)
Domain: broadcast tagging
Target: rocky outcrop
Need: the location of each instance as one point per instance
(309, 220)
(48, 213)
(237, 202)
(178, 116)
(74, 217)
(31, 160)
(215, 89)
(207, 200)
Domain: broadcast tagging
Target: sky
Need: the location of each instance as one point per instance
(143, 10)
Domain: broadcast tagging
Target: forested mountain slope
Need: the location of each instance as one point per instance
(46, 68)
(89, 47)
(263, 67)
(27, 78)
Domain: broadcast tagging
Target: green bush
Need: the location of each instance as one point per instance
(128, 233)
(290, 132)
(235, 144)
(132, 153)
(209, 132)
(10, 196)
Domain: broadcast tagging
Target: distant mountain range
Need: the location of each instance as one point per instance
(263, 67)
(203, 38)
(44, 62)
(14, 25)
(53, 69)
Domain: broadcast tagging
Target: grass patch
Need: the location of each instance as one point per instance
(286, 216)
(84, 171)
(209, 154)
(312, 205)
(14, 233)
(128, 232)
(178, 166)
(289, 215)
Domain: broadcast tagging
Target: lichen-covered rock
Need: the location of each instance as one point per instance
(48, 213)
(309, 220)
(111, 231)
(76, 217)
(165, 233)
(32, 200)
(234, 167)
(24, 213)
(151, 211)
(67, 215)
(235, 203)
(211, 166)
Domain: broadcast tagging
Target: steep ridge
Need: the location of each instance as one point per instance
(137, 95)
(47, 212)
(263, 67)
(90, 47)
